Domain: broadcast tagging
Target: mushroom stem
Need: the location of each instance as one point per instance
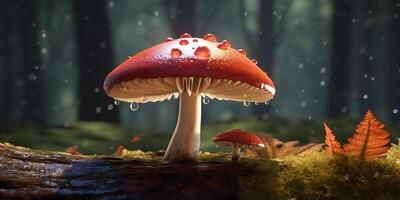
(235, 151)
(185, 142)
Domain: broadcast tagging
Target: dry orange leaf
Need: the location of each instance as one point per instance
(275, 148)
(333, 146)
(119, 151)
(73, 150)
(137, 138)
(370, 139)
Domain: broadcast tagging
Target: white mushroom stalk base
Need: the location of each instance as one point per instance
(235, 151)
(185, 142)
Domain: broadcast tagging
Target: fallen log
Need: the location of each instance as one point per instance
(34, 174)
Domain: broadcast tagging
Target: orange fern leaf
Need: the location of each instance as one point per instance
(370, 139)
(333, 146)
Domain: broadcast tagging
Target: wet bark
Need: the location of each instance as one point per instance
(33, 174)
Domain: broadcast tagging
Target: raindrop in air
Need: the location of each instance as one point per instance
(210, 37)
(176, 53)
(202, 52)
(183, 42)
(224, 45)
(206, 100)
(246, 104)
(134, 106)
(116, 102)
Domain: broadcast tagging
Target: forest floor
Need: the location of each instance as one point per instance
(309, 175)
(104, 138)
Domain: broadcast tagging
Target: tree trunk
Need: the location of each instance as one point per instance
(95, 60)
(395, 68)
(33, 174)
(339, 81)
(366, 63)
(34, 88)
(266, 46)
(181, 16)
(22, 83)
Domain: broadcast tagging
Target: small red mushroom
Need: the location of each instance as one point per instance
(189, 68)
(238, 138)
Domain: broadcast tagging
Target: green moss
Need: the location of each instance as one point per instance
(263, 181)
(314, 175)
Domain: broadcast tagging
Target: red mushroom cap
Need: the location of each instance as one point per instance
(218, 64)
(240, 137)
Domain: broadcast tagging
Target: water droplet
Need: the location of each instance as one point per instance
(395, 111)
(195, 40)
(183, 42)
(242, 51)
(224, 45)
(128, 57)
(167, 39)
(246, 104)
(254, 61)
(206, 100)
(116, 102)
(185, 35)
(202, 52)
(176, 53)
(134, 106)
(210, 37)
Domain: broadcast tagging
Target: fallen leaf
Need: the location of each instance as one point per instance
(120, 150)
(275, 148)
(73, 150)
(370, 139)
(333, 147)
(137, 138)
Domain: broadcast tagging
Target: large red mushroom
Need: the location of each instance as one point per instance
(190, 68)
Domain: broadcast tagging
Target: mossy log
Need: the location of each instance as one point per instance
(34, 174)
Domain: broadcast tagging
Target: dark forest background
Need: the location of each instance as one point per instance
(329, 59)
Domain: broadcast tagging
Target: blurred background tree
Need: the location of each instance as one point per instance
(330, 59)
